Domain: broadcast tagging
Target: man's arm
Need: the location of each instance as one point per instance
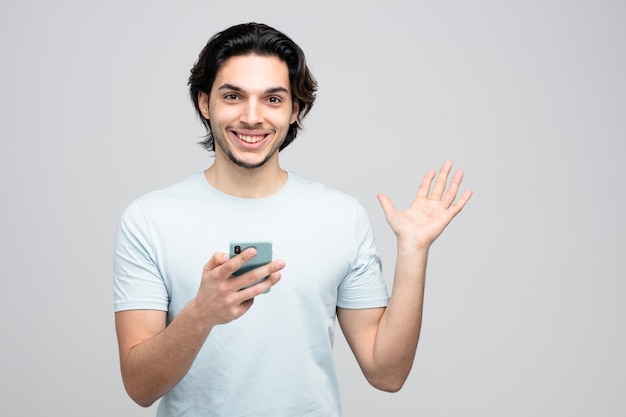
(155, 357)
(384, 340)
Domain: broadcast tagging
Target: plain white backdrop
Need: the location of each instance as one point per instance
(524, 309)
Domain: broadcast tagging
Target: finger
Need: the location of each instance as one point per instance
(245, 306)
(453, 189)
(424, 188)
(260, 273)
(262, 287)
(461, 202)
(216, 260)
(386, 204)
(442, 179)
(238, 261)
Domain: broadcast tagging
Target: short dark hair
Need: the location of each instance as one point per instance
(246, 39)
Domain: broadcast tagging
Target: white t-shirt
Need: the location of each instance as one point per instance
(275, 360)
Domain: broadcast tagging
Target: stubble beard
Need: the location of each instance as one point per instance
(223, 145)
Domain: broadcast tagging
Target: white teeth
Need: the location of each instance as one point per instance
(250, 139)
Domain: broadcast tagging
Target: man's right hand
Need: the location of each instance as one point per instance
(154, 356)
(222, 297)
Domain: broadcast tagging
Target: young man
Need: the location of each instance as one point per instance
(207, 343)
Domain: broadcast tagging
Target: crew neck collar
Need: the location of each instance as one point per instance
(215, 193)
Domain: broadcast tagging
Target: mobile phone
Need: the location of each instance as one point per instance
(263, 256)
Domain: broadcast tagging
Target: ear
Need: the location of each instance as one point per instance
(203, 104)
(294, 112)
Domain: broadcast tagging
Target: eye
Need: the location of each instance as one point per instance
(231, 96)
(274, 100)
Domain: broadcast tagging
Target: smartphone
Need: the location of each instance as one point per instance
(263, 256)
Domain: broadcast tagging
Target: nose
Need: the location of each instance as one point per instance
(251, 114)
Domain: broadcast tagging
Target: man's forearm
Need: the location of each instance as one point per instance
(153, 367)
(400, 325)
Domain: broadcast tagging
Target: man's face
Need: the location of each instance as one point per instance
(250, 109)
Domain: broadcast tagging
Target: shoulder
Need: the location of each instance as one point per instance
(189, 188)
(321, 201)
(314, 189)
(165, 198)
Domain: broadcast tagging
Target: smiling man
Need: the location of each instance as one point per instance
(207, 342)
(255, 116)
(250, 109)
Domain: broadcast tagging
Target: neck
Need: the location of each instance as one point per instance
(241, 182)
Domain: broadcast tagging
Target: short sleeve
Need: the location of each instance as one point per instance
(138, 283)
(363, 286)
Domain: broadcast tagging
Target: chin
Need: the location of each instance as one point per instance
(248, 164)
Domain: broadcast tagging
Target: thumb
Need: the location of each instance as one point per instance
(216, 260)
(386, 204)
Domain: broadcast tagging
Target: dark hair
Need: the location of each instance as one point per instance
(246, 39)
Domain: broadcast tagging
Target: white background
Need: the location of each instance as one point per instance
(524, 309)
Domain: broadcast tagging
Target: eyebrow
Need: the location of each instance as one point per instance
(239, 89)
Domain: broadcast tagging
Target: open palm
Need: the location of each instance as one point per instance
(431, 210)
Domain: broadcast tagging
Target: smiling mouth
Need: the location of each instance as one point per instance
(250, 138)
